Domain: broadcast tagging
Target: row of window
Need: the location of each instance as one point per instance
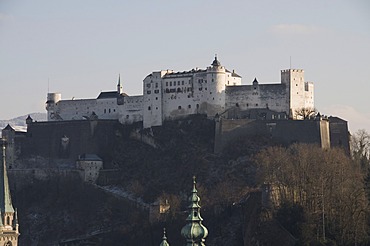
(149, 85)
(174, 83)
(109, 111)
(178, 90)
(150, 92)
(267, 105)
(179, 107)
(237, 105)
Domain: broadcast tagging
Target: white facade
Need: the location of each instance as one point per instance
(169, 95)
(292, 94)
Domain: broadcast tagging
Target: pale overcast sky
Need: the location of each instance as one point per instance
(82, 46)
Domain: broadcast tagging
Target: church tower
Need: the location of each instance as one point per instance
(9, 232)
(164, 239)
(194, 232)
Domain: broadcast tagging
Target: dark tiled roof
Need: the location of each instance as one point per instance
(184, 73)
(89, 157)
(235, 75)
(110, 94)
(8, 127)
(216, 62)
(336, 119)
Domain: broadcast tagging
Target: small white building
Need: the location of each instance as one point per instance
(90, 165)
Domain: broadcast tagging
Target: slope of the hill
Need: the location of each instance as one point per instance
(59, 208)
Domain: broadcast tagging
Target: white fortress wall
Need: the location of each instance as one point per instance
(309, 95)
(272, 96)
(152, 102)
(131, 110)
(75, 109)
(107, 108)
(178, 95)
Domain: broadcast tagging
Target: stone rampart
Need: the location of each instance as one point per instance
(68, 139)
(284, 132)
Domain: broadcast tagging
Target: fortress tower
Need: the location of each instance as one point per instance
(299, 92)
(9, 232)
(51, 103)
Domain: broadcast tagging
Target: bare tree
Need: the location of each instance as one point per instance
(305, 113)
(360, 145)
(324, 183)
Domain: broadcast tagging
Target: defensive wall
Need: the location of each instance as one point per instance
(284, 132)
(19, 178)
(68, 139)
(339, 134)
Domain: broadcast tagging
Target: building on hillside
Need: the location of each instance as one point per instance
(108, 105)
(90, 165)
(9, 228)
(169, 95)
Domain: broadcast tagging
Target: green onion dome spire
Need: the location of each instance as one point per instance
(194, 232)
(164, 239)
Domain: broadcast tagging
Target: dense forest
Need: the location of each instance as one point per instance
(253, 193)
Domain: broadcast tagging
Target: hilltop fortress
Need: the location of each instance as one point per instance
(170, 95)
(75, 127)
